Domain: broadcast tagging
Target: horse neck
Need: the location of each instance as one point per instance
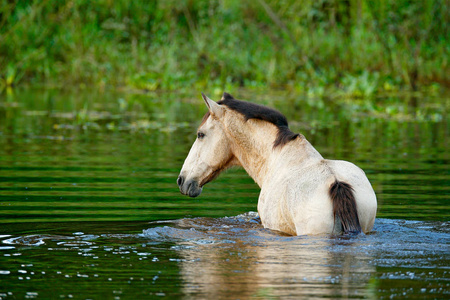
(253, 144)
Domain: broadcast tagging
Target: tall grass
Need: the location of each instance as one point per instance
(356, 46)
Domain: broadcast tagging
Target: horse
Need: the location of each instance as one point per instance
(301, 192)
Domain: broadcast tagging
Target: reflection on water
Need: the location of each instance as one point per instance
(236, 258)
(231, 258)
(82, 174)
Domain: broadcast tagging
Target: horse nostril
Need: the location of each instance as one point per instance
(180, 180)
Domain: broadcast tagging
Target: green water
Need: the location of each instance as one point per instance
(88, 178)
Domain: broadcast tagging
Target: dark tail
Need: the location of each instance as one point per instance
(344, 207)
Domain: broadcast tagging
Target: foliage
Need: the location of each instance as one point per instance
(358, 47)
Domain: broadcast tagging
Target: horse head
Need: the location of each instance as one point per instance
(209, 155)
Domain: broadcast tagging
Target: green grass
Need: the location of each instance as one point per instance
(355, 47)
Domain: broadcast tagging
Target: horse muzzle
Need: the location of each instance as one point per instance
(189, 187)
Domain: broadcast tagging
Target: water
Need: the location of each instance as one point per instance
(89, 207)
(225, 258)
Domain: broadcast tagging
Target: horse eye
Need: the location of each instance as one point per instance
(200, 135)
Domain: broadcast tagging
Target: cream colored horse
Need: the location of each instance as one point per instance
(301, 192)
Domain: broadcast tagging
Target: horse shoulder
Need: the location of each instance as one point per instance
(272, 207)
(276, 203)
(295, 200)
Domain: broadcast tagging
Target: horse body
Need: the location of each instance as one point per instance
(295, 187)
(295, 180)
(301, 187)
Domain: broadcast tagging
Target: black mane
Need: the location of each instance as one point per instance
(256, 111)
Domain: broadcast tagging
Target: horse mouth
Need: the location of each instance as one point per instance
(190, 188)
(194, 191)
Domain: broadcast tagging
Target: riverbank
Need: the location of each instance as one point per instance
(356, 47)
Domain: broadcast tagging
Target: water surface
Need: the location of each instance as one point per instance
(89, 207)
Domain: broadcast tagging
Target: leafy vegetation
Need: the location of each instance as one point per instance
(356, 47)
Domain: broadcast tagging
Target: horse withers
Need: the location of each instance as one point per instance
(301, 192)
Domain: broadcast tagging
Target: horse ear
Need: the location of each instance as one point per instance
(226, 96)
(214, 108)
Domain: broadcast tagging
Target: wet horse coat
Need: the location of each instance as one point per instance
(301, 192)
